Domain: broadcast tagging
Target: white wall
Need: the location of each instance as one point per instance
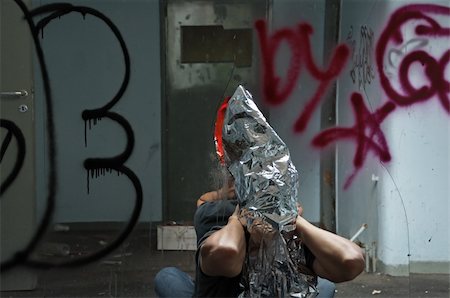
(412, 196)
(420, 142)
(86, 68)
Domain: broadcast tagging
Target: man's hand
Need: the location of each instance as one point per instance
(299, 209)
(238, 215)
(226, 192)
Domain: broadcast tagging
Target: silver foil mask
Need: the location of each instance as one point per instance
(266, 184)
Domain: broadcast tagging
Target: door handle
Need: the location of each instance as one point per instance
(14, 94)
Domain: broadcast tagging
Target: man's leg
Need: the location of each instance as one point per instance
(172, 282)
(326, 288)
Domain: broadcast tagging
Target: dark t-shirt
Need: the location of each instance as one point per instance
(211, 217)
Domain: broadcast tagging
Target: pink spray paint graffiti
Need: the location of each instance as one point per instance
(366, 132)
(299, 43)
(434, 67)
(400, 88)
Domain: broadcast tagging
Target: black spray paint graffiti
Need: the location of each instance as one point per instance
(362, 69)
(93, 164)
(13, 131)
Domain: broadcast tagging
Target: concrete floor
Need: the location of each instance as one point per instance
(129, 271)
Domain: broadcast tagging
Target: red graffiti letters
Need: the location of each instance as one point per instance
(299, 42)
(412, 55)
(366, 132)
(405, 93)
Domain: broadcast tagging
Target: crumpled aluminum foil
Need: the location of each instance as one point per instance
(266, 184)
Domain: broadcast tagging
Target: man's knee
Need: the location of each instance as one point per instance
(163, 279)
(166, 272)
(172, 282)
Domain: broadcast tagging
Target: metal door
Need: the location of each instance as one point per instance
(209, 49)
(17, 174)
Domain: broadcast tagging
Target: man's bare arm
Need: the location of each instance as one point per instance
(336, 258)
(226, 192)
(223, 253)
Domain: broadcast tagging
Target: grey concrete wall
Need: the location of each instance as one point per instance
(287, 14)
(86, 68)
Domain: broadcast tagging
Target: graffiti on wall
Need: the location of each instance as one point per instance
(424, 20)
(92, 165)
(401, 46)
(398, 54)
(298, 40)
(13, 132)
(366, 132)
(362, 70)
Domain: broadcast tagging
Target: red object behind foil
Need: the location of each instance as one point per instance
(218, 129)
